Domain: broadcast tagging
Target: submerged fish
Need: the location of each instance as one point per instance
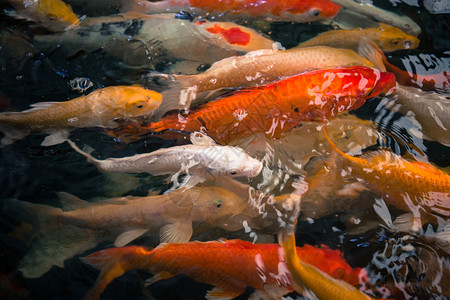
(368, 10)
(276, 108)
(257, 68)
(229, 265)
(279, 10)
(150, 41)
(55, 15)
(307, 277)
(412, 186)
(387, 37)
(99, 108)
(82, 225)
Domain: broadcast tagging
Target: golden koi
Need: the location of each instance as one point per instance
(389, 38)
(99, 108)
(55, 15)
(413, 186)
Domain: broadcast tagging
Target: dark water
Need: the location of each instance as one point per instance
(33, 173)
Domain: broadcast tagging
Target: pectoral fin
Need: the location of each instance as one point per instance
(179, 232)
(157, 277)
(56, 138)
(12, 135)
(218, 293)
(128, 236)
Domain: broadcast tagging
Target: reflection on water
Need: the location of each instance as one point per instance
(273, 164)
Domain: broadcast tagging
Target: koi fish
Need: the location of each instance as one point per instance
(276, 108)
(82, 225)
(368, 10)
(412, 186)
(99, 108)
(55, 15)
(204, 157)
(256, 265)
(286, 10)
(148, 41)
(308, 277)
(257, 68)
(387, 37)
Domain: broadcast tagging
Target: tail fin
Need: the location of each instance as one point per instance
(178, 96)
(87, 154)
(52, 243)
(112, 263)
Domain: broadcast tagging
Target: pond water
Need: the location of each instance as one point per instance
(400, 263)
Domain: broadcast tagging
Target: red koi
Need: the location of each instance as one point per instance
(261, 266)
(276, 108)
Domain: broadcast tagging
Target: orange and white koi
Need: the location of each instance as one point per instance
(276, 108)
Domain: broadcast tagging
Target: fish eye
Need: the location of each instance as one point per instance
(232, 172)
(51, 17)
(395, 42)
(218, 203)
(140, 106)
(315, 12)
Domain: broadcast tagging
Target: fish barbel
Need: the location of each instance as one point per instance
(82, 225)
(412, 186)
(55, 15)
(387, 37)
(276, 108)
(257, 68)
(280, 10)
(98, 109)
(229, 265)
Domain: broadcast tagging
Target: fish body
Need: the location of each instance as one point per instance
(55, 15)
(413, 186)
(284, 10)
(241, 264)
(148, 41)
(307, 276)
(201, 158)
(387, 37)
(261, 67)
(82, 225)
(99, 108)
(278, 107)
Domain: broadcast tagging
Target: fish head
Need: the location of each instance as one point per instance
(240, 164)
(391, 38)
(214, 204)
(57, 14)
(137, 101)
(384, 85)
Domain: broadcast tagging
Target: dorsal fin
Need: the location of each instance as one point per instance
(71, 202)
(40, 105)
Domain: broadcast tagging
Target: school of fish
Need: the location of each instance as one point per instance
(213, 148)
